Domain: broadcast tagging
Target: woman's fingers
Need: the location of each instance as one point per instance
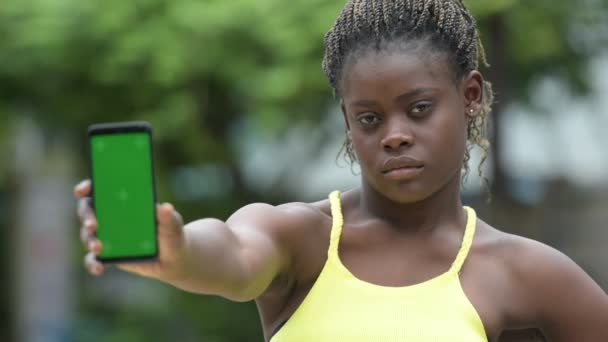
(170, 222)
(89, 225)
(87, 231)
(82, 189)
(94, 246)
(93, 265)
(84, 236)
(85, 210)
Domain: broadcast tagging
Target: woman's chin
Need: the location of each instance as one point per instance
(405, 192)
(403, 196)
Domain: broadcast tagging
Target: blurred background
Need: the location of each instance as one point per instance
(242, 113)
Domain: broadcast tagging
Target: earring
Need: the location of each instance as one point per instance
(471, 110)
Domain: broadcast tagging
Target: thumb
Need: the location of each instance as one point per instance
(169, 220)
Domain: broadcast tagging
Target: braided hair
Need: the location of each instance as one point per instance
(446, 25)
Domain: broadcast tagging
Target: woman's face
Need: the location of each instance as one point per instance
(406, 118)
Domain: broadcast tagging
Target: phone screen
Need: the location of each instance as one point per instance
(123, 195)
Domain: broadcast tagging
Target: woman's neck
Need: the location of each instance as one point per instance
(441, 209)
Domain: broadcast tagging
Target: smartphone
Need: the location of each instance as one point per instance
(123, 191)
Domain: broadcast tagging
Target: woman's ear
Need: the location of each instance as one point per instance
(473, 93)
(346, 124)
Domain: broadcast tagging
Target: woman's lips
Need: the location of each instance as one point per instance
(404, 173)
(402, 167)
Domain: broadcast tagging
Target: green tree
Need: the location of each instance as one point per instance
(193, 68)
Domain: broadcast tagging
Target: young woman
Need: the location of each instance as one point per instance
(399, 258)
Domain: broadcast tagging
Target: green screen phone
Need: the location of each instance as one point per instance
(123, 191)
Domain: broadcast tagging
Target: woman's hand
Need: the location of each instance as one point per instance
(171, 256)
(237, 259)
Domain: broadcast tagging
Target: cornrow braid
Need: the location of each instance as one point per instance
(446, 24)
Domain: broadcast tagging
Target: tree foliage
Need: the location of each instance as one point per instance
(193, 68)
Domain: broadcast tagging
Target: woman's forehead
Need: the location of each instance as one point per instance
(381, 71)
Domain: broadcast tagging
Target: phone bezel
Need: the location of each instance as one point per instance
(121, 128)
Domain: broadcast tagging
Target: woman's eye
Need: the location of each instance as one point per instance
(421, 108)
(368, 119)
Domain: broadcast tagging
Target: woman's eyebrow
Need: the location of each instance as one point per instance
(415, 92)
(364, 103)
(404, 96)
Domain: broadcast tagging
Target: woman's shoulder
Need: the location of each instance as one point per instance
(308, 215)
(533, 277)
(522, 256)
(525, 259)
(284, 221)
(320, 209)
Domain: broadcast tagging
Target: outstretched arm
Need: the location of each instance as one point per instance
(236, 259)
(239, 258)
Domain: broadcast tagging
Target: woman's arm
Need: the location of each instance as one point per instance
(564, 301)
(236, 259)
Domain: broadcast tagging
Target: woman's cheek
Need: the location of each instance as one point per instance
(362, 149)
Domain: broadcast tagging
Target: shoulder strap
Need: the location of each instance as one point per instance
(337, 222)
(467, 240)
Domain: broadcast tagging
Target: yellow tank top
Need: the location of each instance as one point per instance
(341, 307)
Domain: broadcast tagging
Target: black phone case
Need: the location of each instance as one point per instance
(125, 127)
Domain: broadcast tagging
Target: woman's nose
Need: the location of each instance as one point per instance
(398, 136)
